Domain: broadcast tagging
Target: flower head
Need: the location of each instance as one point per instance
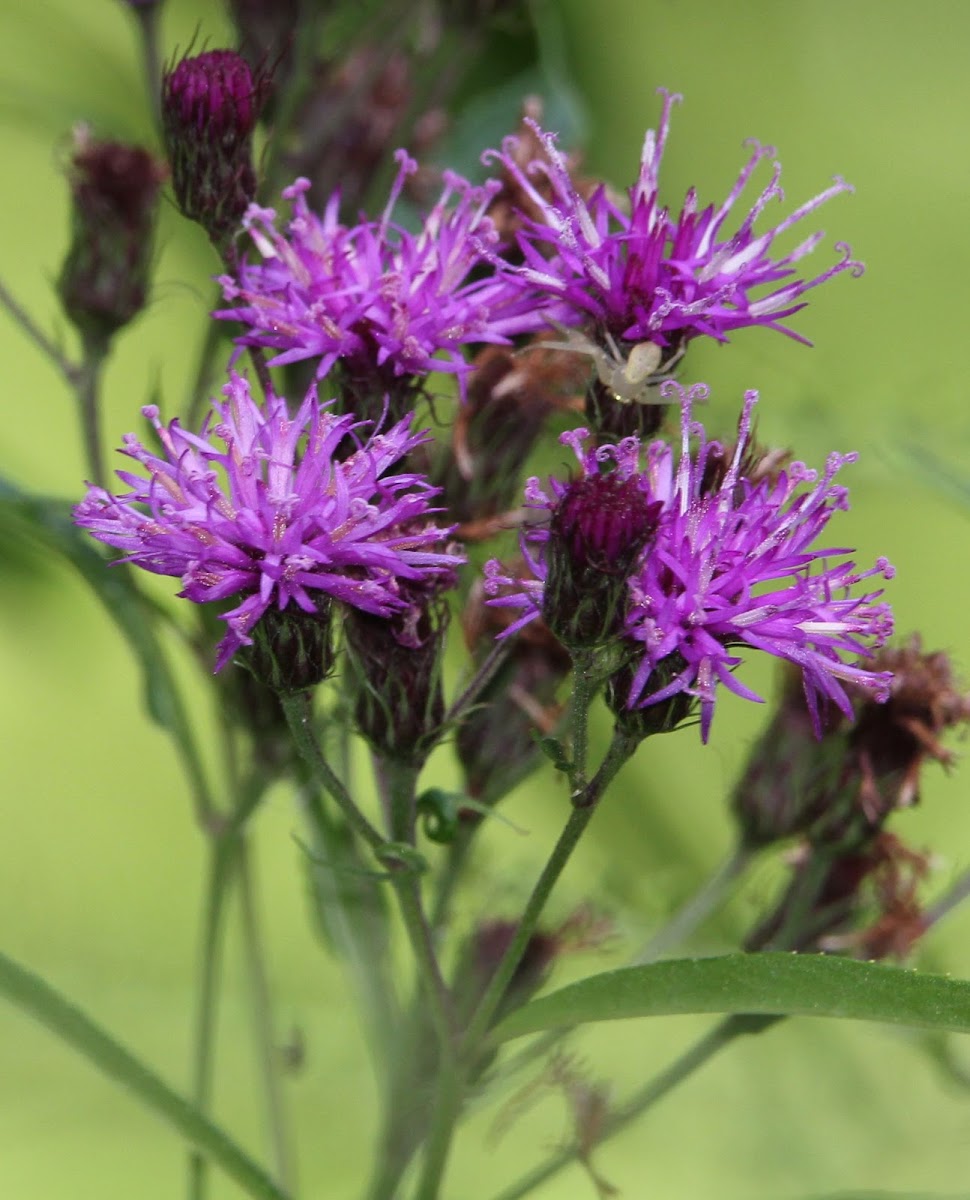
(732, 562)
(378, 299)
(634, 273)
(273, 518)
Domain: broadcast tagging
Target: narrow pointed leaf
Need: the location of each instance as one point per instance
(39, 1000)
(784, 984)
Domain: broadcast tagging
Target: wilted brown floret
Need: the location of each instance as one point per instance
(510, 395)
(512, 203)
(890, 742)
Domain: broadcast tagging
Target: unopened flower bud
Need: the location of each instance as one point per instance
(210, 105)
(791, 775)
(398, 701)
(291, 649)
(497, 741)
(114, 201)
(596, 533)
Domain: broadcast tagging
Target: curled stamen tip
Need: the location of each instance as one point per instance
(406, 162)
(670, 389)
(295, 189)
(698, 393)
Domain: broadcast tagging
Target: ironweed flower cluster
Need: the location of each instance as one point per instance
(329, 532)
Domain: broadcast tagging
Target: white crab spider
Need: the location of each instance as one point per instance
(630, 380)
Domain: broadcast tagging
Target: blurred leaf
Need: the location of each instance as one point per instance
(36, 998)
(49, 521)
(798, 985)
(351, 913)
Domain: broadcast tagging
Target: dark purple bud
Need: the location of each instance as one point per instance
(114, 193)
(210, 106)
(597, 531)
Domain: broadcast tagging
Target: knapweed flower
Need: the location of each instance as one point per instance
(634, 274)
(378, 299)
(731, 563)
(272, 518)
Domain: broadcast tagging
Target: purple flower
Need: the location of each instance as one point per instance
(381, 300)
(633, 273)
(732, 563)
(274, 517)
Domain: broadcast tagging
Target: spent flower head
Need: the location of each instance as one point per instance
(381, 301)
(731, 562)
(271, 518)
(632, 272)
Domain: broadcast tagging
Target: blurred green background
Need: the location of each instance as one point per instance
(100, 866)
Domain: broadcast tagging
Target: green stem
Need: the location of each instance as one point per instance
(585, 804)
(584, 682)
(40, 1001)
(299, 715)
(269, 1058)
(401, 782)
(677, 930)
(89, 403)
(429, 971)
(697, 909)
(33, 332)
(451, 1078)
(221, 863)
(447, 1107)
(725, 1032)
(349, 911)
(451, 874)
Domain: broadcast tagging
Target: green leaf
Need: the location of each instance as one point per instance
(39, 1000)
(784, 984)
